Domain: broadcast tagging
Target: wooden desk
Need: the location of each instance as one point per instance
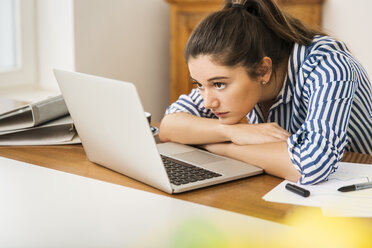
(242, 196)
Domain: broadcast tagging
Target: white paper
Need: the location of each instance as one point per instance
(349, 207)
(327, 196)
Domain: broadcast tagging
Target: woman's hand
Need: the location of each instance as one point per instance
(245, 134)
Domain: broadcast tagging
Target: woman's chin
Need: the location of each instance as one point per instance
(228, 121)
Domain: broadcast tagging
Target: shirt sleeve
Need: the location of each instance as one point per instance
(192, 104)
(319, 144)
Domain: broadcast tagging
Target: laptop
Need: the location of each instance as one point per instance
(111, 123)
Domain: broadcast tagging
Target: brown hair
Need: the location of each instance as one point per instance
(245, 31)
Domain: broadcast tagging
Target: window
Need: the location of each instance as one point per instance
(7, 34)
(17, 43)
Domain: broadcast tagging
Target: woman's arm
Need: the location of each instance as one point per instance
(186, 128)
(272, 157)
(189, 129)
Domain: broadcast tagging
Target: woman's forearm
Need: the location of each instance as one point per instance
(189, 129)
(272, 157)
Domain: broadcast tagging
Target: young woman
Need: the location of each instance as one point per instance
(305, 97)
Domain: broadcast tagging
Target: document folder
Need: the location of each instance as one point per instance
(45, 122)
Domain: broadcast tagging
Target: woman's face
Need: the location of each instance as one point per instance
(228, 91)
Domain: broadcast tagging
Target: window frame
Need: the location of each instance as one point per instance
(24, 73)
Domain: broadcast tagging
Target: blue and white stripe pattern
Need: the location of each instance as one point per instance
(325, 103)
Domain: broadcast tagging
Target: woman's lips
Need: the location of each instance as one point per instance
(220, 114)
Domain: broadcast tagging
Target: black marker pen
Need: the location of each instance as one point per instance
(298, 190)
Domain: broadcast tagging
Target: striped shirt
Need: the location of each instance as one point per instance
(325, 104)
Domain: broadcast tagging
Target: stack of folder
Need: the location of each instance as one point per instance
(45, 122)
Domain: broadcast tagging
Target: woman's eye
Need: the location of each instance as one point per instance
(220, 85)
(198, 85)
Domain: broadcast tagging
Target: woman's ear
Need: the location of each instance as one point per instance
(264, 70)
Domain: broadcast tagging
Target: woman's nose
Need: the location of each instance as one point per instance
(210, 101)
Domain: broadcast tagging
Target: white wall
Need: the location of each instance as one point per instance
(126, 40)
(350, 21)
(55, 40)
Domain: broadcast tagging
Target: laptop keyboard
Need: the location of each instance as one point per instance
(182, 173)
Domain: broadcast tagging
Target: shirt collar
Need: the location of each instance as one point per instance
(295, 61)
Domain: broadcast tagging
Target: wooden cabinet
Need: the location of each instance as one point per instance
(186, 14)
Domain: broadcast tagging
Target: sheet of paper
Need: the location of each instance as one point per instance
(349, 207)
(327, 196)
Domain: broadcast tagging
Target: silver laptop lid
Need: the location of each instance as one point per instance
(97, 103)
